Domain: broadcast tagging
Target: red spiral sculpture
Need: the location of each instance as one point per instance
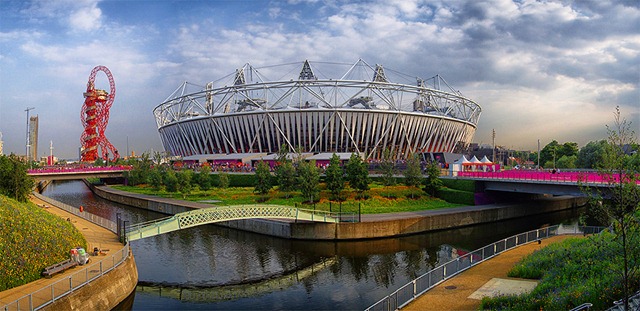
(95, 116)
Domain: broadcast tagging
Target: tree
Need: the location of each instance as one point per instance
(223, 180)
(263, 179)
(432, 183)
(567, 162)
(553, 151)
(308, 178)
(204, 178)
(620, 205)
(14, 181)
(413, 172)
(590, 156)
(155, 178)
(139, 174)
(184, 182)
(170, 181)
(334, 177)
(388, 167)
(285, 172)
(357, 174)
(568, 149)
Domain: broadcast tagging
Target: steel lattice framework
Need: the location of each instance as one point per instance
(217, 214)
(363, 111)
(95, 117)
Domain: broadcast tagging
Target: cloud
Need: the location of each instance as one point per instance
(556, 69)
(86, 18)
(76, 15)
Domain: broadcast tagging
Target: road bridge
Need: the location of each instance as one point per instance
(542, 182)
(225, 213)
(73, 173)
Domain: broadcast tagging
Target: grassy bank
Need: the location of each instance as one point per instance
(379, 199)
(572, 272)
(30, 240)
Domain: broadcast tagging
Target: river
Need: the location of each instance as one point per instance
(215, 268)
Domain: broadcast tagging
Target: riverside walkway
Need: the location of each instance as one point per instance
(465, 291)
(95, 235)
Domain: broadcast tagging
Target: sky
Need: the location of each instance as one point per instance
(540, 70)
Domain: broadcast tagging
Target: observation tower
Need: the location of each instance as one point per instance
(95, 117)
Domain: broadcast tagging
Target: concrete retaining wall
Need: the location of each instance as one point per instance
(397, 224)
(104, 293)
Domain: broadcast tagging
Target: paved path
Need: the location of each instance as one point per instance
(467, 282)
(95, 235)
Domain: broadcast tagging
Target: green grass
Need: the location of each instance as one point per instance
(572, 272)
(30, 240)
(380, 199)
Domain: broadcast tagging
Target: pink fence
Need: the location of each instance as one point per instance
(574, 177)
(85, 169)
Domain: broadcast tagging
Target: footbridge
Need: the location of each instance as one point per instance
(218, 214)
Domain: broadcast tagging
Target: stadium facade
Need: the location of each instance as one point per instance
(363, 109)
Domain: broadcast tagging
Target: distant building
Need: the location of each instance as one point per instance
(1, 143)
(33, 138)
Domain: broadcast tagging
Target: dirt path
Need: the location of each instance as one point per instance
(466, 283)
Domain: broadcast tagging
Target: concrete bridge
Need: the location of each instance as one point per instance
(75, 173)
(541, 182)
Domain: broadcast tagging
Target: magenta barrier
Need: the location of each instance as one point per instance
(57, 170)
(573, 177)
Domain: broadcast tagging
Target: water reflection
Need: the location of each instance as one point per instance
(210, 267)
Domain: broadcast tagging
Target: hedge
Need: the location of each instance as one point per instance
(456, 196)
(459, 184)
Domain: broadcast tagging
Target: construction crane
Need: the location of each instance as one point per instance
(95, 117)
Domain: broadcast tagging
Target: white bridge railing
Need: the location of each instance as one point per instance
(225, 213)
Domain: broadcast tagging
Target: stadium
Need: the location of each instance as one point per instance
(316, 108)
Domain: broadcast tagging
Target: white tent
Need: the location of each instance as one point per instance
(487, 165)
(486, 160)
(457, 165)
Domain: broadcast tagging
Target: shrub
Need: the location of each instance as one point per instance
(456, 196)
(30, 240)
(572, 272)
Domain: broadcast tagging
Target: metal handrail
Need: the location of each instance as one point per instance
(102, 222)
(410, 291)
(584, 306)
(226, 213)
(52, 292)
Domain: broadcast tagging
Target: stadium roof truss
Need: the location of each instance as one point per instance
(361, 89)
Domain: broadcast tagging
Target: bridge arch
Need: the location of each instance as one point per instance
(218, 214)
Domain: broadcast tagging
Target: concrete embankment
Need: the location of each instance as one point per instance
(371, 226)
(104, 293)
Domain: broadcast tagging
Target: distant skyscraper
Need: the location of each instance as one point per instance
(1, 142)
(33, 138)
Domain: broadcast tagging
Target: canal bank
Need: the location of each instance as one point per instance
(102, 284)
(372, 226)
